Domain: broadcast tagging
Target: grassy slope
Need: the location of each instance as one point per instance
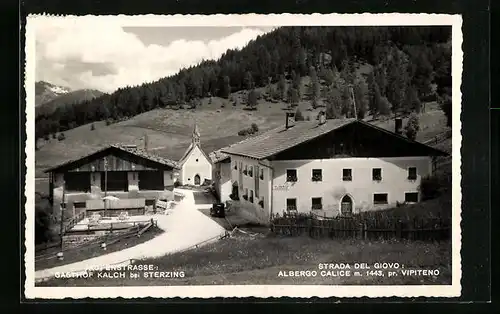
(169, 131)
(257, 260)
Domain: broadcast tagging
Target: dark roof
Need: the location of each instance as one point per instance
(129, 149)
(218, 156)
(280, 139)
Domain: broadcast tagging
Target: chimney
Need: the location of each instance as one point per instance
(322, 118)
(290, 119)
(398, 126)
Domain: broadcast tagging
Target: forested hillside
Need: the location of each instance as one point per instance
(408, 65)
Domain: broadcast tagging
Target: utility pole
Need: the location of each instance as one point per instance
(63, 205)
(105, 182)
(353, 102)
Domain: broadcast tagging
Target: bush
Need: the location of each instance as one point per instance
(299, 116)
(108, 121)
(61, 137)
(177, 184)
(412, 127)
(43, 220)
(234, 197)
(254, 128)
(430, 188)
(46, 137)
(54, 135)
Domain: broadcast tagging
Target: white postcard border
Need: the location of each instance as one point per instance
(261, 291)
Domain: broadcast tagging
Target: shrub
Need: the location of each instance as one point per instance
(43, 220)
(108, 121)
(412, 127)
(46, 137)
(243, 132)
(61, 137)
(430, 187)
(234, 197)
(177, 184)
(254, 128)
(54, 135)
(299, 116)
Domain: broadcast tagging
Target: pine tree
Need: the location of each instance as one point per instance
(252, 100)
(333, 104)
(361, 97)
(248, 81)
(397, 80)
(294, 97)
(226, 87)
(282, 86)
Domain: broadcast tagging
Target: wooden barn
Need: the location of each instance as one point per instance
(125, 172)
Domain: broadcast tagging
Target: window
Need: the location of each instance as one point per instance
(412, 173)
(347, 174)
(250, 171)
(317, 203)
(291, 175)
(376, 174)
(261, 202)
(317, 175)
(411, 197)
(291, 204)
(245, 196)
(235, 165)
(261, 174)
(251, 197)
(380, 198)
(245, 171)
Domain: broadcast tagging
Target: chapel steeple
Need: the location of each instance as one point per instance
(196, 135)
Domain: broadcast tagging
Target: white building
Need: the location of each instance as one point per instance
(196, 167)
(331, 167)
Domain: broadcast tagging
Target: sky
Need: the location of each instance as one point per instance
(106, 57)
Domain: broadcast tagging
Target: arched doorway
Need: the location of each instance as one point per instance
(235, 191)
(346, 205)
(197, 179)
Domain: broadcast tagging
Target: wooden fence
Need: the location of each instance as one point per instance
(438, 138)
(373, 228)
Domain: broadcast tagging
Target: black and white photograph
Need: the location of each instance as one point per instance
(243, 156)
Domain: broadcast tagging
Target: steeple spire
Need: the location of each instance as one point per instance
(196, 135)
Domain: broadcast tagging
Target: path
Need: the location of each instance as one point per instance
(184, 228)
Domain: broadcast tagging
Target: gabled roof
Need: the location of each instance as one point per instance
(280, 139)
(188, 152)
(131, 150)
